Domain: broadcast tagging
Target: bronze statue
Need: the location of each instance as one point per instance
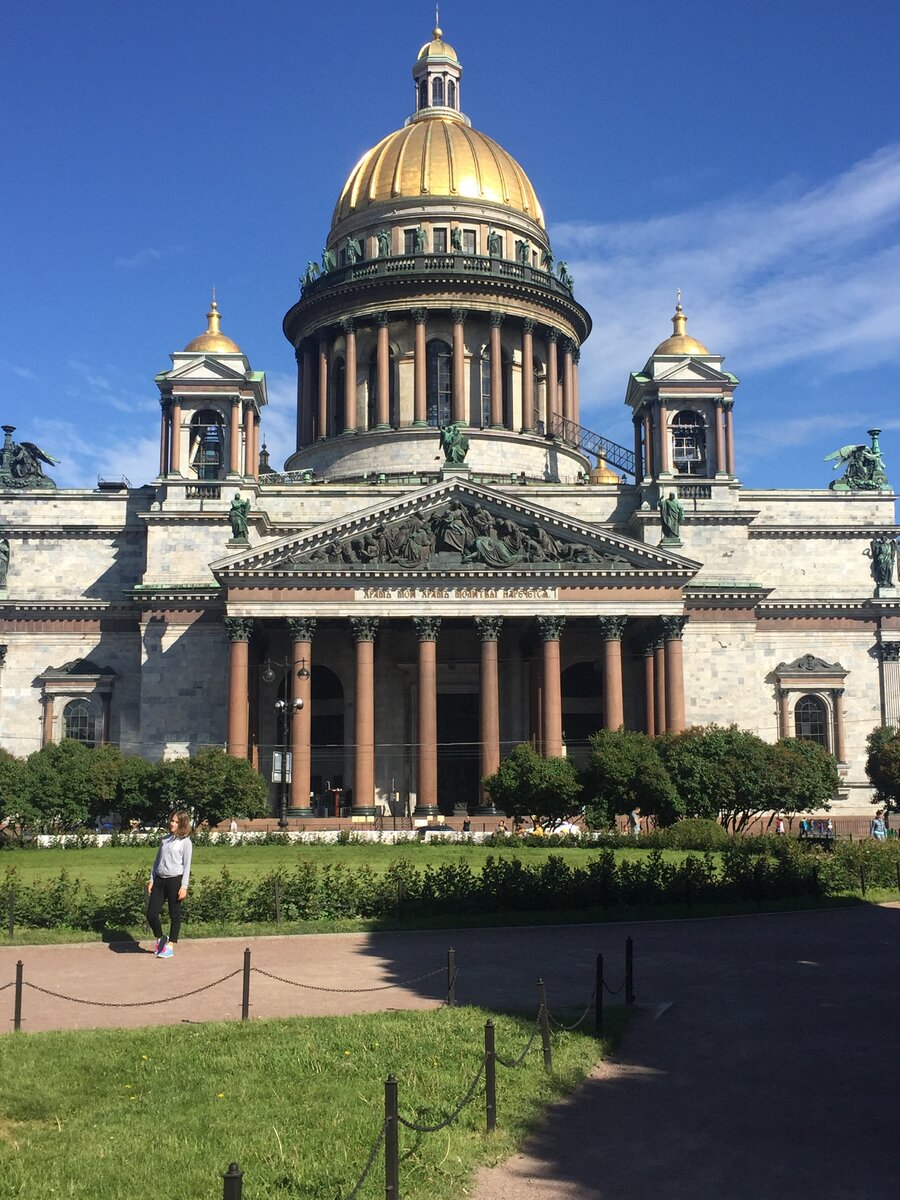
(454, 443)
(494, 243)
(237, 514)
(20, 463)
(354, 250)
(523, 251)
(384, 243)
(329, 261)
(671, 512)
(883, 553)
(547, 259)
(311, 273)
(4, 561)
(562, 273)
(419, 240)
(864, 467)
(456, 240)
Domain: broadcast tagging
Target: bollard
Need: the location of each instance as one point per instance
(11, 914)
(17, 1009)
(233, 1183)
(598, 1002)
(544, 1021)
(490, 1077)
(629, 971)
(862, 877)
(245, 998)
(391, 1140)
(277, 900)
(451, 978)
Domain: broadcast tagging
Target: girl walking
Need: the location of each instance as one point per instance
(169, 880)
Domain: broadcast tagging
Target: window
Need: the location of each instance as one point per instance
(409, 241)
(451, 93)
(437, 92)
(439, 241)
(438, 365)
(469, 246)
(423, 93)
(810, 720)
(207, 447)
(689, 443)
(79, 722)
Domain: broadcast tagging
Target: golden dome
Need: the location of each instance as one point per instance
(602, 474)
(437, 47)
(438, 156)
(680, 343)
(213, 341)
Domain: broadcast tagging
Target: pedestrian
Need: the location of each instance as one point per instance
(169, 881)
(779, 825)
(232, 826)
(804, 827)
(878, 829)
(634, 822)
(501, 830)
(467, 825)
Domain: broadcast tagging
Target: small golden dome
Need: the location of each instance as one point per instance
(437, 47)
(437, 156)
(213, 341)
(680, 343)
(602, 474)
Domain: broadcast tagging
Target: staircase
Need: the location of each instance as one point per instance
(592, 443)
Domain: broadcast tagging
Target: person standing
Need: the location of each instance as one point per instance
(169, 881)
(878, 829)
(634, 822)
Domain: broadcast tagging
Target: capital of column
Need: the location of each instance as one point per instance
(551, 628)
(553, 335)
(837, 693)
(728, 405)
(427, 628)
(347, 325)
(890, 651)
(165, 403)
(653, 642)
(489, 628)
(673, 628)
(382, 320)
(529, 324)
(364, 628)
(576, 355)
(235, 401)
(567, 345)
(302, 628)
(458, 316)
(420, 316)
(496, 319)
(238, 629)
(612, 628)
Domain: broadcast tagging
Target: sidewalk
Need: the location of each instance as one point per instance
(762, 1062)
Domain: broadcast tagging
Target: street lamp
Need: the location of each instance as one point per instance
(285, 709)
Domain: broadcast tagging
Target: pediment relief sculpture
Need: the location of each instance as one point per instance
(453, 535)
(809, 663)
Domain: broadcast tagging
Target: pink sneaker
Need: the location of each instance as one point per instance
(166, 952)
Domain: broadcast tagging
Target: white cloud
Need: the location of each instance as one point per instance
(147, 255)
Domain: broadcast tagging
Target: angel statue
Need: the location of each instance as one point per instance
(237, 514)
(864, 467)
(309, 275)
(454, 443)
(20, 463)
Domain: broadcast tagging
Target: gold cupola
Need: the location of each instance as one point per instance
(680, 343)
(213, 341)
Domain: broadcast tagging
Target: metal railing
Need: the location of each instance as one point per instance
(467, 265)
(586, 440)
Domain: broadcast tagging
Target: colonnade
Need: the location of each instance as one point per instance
(318, 419)
(242, 434)
(652, 436)
(663, 698)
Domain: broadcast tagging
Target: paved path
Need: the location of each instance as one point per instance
(765, 1059)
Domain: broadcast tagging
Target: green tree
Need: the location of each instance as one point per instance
(141, 795)
(12, 803)
(802, 776)
(719, 770)
(883, 765)
(104, 768)
(528, 785)
(56, 785)
(215, 786)
(624, 771)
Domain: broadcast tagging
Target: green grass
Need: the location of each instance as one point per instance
(296, 1103)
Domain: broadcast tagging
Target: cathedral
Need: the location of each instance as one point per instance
(449, 562)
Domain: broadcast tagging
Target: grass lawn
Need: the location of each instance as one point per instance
(296, 1103)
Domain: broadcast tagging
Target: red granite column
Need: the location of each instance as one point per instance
(305, 425)
(458, 400)
(638, 457)
(659, 672)
(729, 435)
(427, 629)
(673, 630)
(663, 423)
(784, 726)
(527, 375)
(718, 416)
(322, 431)
(239, 630)
(302, 630)
(420, 390)
(649, 695)
(364, 630)
(489, 632)
(552, 381)
(568, 397)
(164, 438)
(551, 630)
(349, 376)
(383, 370)
(234, 441)
(252, 467)
(576, 399)
(648, 442)
(496, 319)
(175, 436)
(611, 630)
(47, 721)
(840, 749)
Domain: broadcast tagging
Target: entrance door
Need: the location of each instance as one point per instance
(458, 752)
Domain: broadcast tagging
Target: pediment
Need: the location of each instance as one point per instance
(688, 370)
(203, 369)
(455, 527)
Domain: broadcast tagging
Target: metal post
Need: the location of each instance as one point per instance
(544, 1022)
(277, 900)
(17, 1010)
(451, 978)
(490, 1077)
(233, 1186)
(11, 919)
(598, 1001)
(629, 971)
(391, 1140)
(245, 999)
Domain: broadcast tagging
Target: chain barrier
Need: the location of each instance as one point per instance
(312, 987)
(467, 1099)
(131, 1003)
(512, 1063)
(7, 985)
(370, 1162)
(559, 1027)
(613, 991)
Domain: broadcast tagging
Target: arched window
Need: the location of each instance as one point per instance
(437, 91)
(207, 445)
(372, 404)
(505, 388)
(451, 93)
(438, 365)
(423, 93)
(689, 443)
(811, 720)
(338, 375)
(79, 722)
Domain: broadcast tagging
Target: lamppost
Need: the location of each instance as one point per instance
(284, 711)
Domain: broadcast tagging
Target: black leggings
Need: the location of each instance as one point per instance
(165, 888)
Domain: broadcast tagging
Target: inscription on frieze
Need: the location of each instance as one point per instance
(454, 593)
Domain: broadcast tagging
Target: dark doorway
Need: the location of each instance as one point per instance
(458, 752)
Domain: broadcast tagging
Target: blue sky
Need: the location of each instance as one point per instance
(745, 152)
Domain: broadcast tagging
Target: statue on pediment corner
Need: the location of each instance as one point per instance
(20, 463)
(864, 467)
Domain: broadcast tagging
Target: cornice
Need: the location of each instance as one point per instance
(821, 531)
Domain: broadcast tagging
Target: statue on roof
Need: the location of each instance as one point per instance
(309, 275)
(883, 553)
(384, 243)
(562, 274)
(454, 443)
(671, 513)
(329, 261)
(547, 258)
(494, 243)
(20, 463)
(456, 244)
(418, 240)
(237, 515)
(864, 470)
